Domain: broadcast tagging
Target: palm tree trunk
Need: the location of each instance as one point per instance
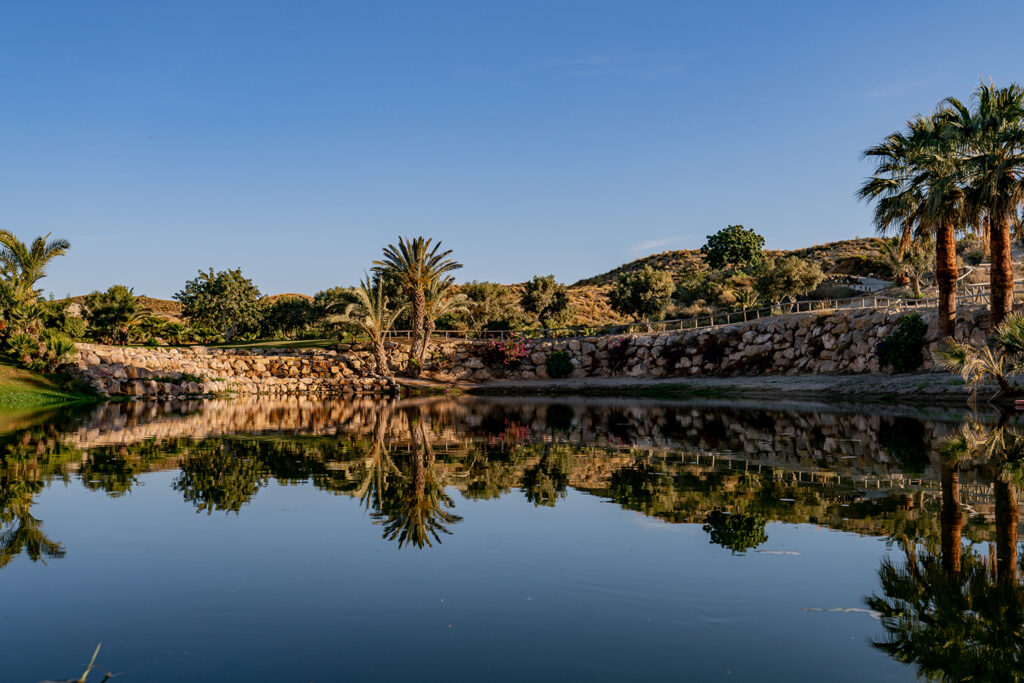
(428, 330)
(945, 276)
(951, 518)
(904, 239)
(419, 305)
(1001, 274)
(1007, 516)
(381, 358)
(986, 236)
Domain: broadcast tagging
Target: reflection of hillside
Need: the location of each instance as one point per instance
(405, 459)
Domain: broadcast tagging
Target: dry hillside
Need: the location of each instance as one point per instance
(852, 257)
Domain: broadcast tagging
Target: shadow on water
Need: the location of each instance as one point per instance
(939, 487)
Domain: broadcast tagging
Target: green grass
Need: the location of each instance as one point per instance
(25, 390)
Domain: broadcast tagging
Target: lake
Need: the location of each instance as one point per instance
(465, 539)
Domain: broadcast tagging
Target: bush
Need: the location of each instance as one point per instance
(73, 326)
(559, 364)
(618, 353)
(504, 353)
(901, 349)
(737, 532)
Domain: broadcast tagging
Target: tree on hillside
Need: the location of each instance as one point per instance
(226, 301)
(734, 246)
(417, 263)
(22, 266)
(113, 314)
(547, 299)
(370, 313)
(492, 306)
(787, 278)
(642, 294)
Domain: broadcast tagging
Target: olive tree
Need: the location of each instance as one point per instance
(548, 299)
(787, 278)
(226, 301)
(733, 246)
(642, 294)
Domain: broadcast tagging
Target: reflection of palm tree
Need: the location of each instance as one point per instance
(24, 532)
(415, 511)
(548, 481)
(379, 466)
(957, 616)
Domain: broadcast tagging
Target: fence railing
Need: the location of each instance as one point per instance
(972, 294)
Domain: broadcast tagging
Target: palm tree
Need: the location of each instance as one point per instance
(992, 140)
(913, 263)
(371, 314)
(898, 202)
(417, 263)
(440, 300)
(918, 176)
(25, 265)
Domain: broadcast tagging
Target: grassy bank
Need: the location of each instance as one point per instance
(23, 390)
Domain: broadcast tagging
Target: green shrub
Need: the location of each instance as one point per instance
(559, 364)
(73, 326)
(737, 532)
(901, 349)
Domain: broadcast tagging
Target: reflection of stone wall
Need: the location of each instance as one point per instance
(119, 371)
(846, 444)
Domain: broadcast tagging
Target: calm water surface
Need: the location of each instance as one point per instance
(486, 539)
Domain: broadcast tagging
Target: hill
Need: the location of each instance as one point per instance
(858, 256)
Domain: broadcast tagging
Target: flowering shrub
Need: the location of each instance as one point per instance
(504, 353)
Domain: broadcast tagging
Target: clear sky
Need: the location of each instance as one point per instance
(294, 139)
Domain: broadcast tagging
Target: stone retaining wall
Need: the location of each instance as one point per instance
(841, 342)
(818, 343)
(132, 371)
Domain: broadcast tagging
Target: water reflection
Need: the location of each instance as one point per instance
(940, 488)
(958, 614)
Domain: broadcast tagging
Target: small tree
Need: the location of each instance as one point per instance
(287, 315)
(114, 314)
(547, 299)
(642, 294)
(226, 301)
(492, 306)
(371, 314)
(441, 300)
(733, 246)
(787, 278)
(22, 266)
(914, 264)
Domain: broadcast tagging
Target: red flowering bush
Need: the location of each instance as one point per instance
(504, 352)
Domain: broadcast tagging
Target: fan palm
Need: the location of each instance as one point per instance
(371, 314)
(24, 265)
(918, 176)
(418, 263)
(441, 300)
(913, 263)
(992, 141)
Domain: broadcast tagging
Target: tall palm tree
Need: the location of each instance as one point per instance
(441, 300)
(371, 314)
(918, 176)
(992, 141)
(417, 262)
(24, 265)
(898, 202)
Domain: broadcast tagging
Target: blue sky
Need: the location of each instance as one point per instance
(294, 139)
